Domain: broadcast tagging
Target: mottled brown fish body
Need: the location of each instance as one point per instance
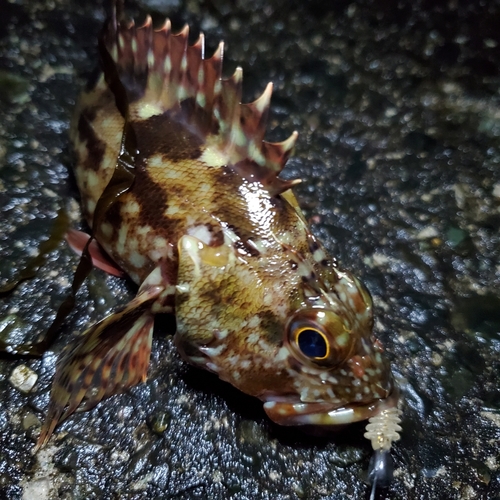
(210, 232)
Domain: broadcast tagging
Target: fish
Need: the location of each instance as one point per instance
(183, 195)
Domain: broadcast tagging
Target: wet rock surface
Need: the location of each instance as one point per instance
(398, 111)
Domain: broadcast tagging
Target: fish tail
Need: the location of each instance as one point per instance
(112, 356)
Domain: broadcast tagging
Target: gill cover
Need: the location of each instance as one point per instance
(212, 290)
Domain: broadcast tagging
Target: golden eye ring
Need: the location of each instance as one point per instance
(312, 343)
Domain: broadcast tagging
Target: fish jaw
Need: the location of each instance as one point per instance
(360, 390)
(326, 414)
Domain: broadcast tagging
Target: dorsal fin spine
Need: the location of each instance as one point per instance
(170, 71)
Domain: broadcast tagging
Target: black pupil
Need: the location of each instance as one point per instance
(312, 344)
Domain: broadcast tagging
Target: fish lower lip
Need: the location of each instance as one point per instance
(325, 414)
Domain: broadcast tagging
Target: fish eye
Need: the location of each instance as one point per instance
(312, 343)
(320, 337)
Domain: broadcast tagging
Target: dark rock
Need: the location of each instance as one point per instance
(397, 108)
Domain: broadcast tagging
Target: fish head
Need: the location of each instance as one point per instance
(339, 371)
(307, 352)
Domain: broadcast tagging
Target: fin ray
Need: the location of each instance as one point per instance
(100, 259)
(112, 356)
(159, 70)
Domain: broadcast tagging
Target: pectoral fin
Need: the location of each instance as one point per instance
(112, 356)
(77, 241)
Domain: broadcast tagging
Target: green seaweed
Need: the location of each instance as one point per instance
(57, 233)
(14, 89)
(120, 182)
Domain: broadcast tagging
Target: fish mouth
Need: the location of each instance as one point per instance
(326, 414)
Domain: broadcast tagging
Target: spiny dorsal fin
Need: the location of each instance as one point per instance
(162, 73)
(277, 153)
